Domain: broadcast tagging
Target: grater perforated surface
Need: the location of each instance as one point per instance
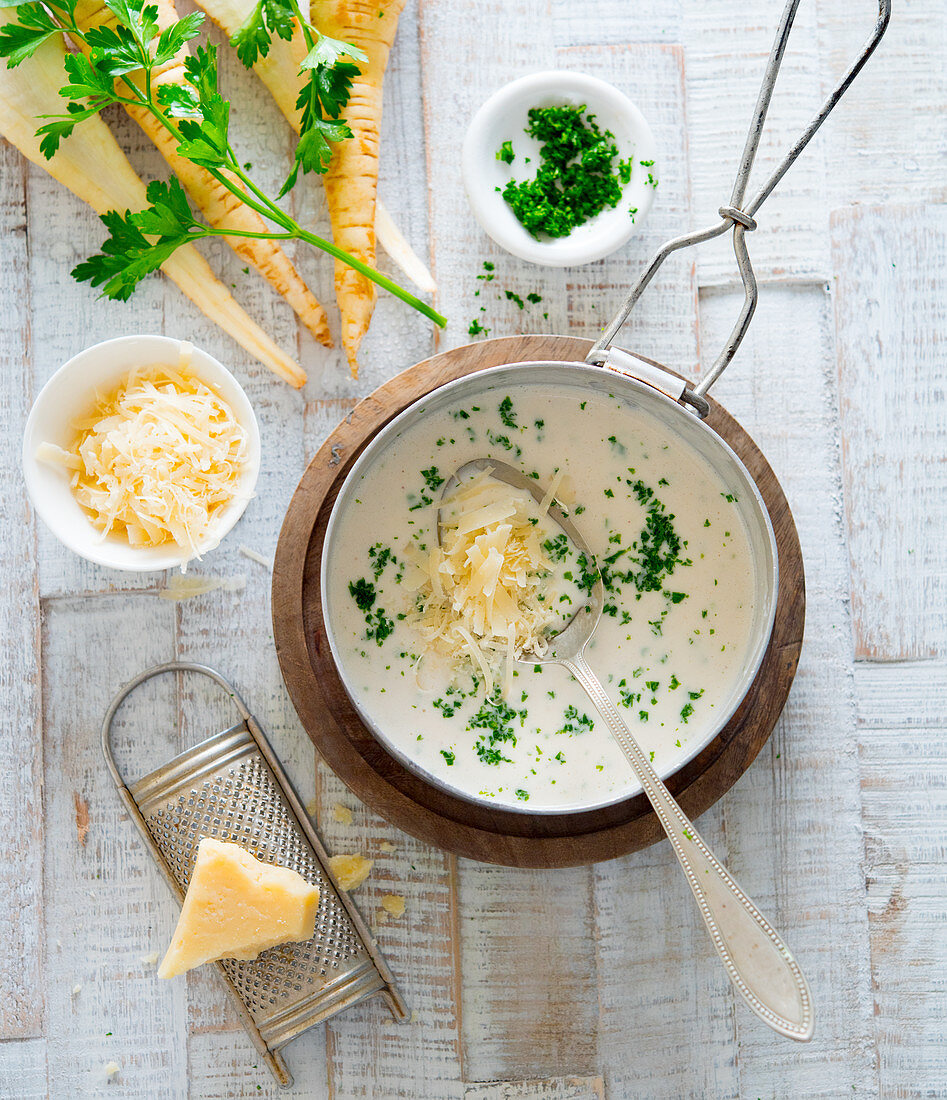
(243, 804)
(231, 786)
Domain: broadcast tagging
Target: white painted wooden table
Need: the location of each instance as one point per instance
(598, 981)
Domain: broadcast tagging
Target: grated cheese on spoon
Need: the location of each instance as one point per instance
(484, 595)
(157, 459)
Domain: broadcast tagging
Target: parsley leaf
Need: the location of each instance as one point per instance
(253, 38)
(21, 40)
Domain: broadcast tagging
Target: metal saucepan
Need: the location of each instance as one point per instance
(645, 385)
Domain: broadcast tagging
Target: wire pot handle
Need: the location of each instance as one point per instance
(738, 214)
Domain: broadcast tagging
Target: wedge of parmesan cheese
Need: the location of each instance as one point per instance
(483, 596)
(237, 906)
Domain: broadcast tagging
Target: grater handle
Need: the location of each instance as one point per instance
(739, 215)
(148, 674)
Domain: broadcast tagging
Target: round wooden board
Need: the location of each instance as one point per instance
(483, 832)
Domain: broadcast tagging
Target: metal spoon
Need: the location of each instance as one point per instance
(758, 962)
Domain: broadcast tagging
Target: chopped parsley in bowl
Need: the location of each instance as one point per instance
(559, 168)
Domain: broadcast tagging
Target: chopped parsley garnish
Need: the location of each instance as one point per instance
(496, 718)
(363, 592)
(432, 478)
(686, 711)
(557, 548)
(379, 626)
(522, 795)
(382, 557)
(448, 756)
(507, 416)
(577, 177)
(505, 152)
(628, 697)
(476, 329)
(512, 296)
(573, 722)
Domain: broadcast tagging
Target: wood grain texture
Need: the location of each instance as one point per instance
(791, 822)
(887, 142)
(553, 1088)
(666, 1017)
(549, 1026)
(21, 904)
(890, 318)
(903, 760)
(725, 63)
(369, 1054)
(222, 1065)
(23, 1069)
(107, 910)
(422, 809)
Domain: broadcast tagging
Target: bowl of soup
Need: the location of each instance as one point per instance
(680, 537)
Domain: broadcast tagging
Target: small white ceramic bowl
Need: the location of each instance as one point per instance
(68, 394)
(504, 117)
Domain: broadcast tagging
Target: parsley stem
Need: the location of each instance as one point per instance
(370, 273)
(305, 25)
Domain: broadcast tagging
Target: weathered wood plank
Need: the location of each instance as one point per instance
(663, 324)
(726, 53)
(890, 315)
(554, 1088)
(21, 908)
(665, 1026)
(224, 1066)
(887, 142)
(610, 22)
(369, 1054)
(529, 972)
(232, 632)
(793, 821)
(467, 53)
(107, 909)
(904, 796)
(23, 1069)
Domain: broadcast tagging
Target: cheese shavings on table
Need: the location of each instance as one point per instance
(485, 594)
(350, 870)
(236, 906)
(156, 460)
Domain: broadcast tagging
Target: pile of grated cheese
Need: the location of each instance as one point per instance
(156, 460)
(483, 596)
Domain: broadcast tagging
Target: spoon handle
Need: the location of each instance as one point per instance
(758, 962)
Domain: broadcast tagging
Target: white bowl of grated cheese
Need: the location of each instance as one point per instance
(215, 494)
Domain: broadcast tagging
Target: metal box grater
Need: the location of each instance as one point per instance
(232, 787)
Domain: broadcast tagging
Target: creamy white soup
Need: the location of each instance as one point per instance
(674, 556)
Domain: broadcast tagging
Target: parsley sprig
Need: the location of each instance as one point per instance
(328, 78)
(119, 67)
